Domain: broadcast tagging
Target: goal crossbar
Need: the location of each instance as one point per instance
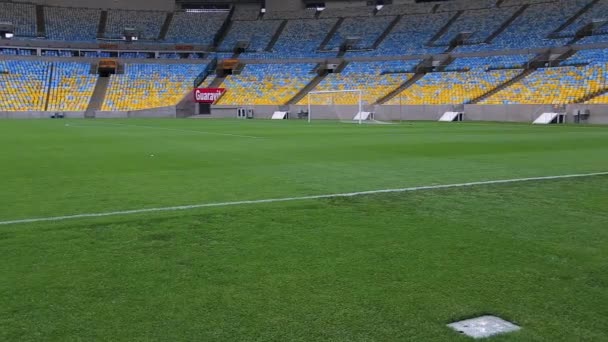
(359, 91)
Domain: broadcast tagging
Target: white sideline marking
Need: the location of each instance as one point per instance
(300, 198)
(173, 129)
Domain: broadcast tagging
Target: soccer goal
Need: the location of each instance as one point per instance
(343, 105)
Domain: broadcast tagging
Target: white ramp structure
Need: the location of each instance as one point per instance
(452, 116)
(550, 118)
(362, 116)
(279, 115)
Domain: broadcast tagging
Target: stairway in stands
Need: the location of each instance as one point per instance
(445, 28)
(408, 83)
(506, 24)
(103, 22)
(99, 94)
(504, 85)
(166, 25)
(386, 32)
(331, 33)
(573, 18)
(276, 36)
(40, 23)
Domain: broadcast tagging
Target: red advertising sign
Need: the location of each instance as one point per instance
(208, 95)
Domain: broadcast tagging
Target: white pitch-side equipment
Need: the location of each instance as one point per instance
(279, 115)
(452, 116)
(550, 118)
(364, 116)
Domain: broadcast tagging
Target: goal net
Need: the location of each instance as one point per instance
(342, 105)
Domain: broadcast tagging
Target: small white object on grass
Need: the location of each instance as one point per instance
(151, 155)
(66, 125)
(484, 326)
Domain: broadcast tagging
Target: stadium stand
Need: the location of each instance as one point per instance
(533, 27)
(24, 85)
(481, 23)
(419, 29)
(258, 33)
(246, 13)
(73, 24)
(375, 79)
(490, 62)
(150, 86)
(367, 30)
(195, 28)
(71, 87)
(453, 87)
(411, 34)
(601, 99)
(23, 16)
(597, 11)
(148, 22)
(16, 52)
(302, 37)
(266, 84)
(558, 86)
(585, 57)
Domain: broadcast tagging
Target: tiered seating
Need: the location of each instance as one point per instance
(366, 76)
(146, 86)
(599, 10)
(490, 62)
(368, 30)
(75, 24)
(136, 55)
(482, 23)
(453, 87)
(602, 99)
(148, 22)
(71, 87)
(25, 86)
(531, 29)
(258, 33)
(246, 13)
(411, 34)
(16, 52)
(266, 84)
(96, 54)
(560, 85)
(594, 56)
(23, 16)
(195, 28)
(301, 38)
(57, 53)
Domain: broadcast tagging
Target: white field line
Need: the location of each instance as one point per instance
(299, 198)
(169, 129)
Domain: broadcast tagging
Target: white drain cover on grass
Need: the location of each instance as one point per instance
(484, 326)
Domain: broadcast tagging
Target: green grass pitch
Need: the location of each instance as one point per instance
(385, 267)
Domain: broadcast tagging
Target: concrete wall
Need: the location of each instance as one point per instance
(159, 5)
(39, 115)
(284, 5)
(163, 112)
(499, 113)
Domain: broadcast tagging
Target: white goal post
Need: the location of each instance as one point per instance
(356, 92)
